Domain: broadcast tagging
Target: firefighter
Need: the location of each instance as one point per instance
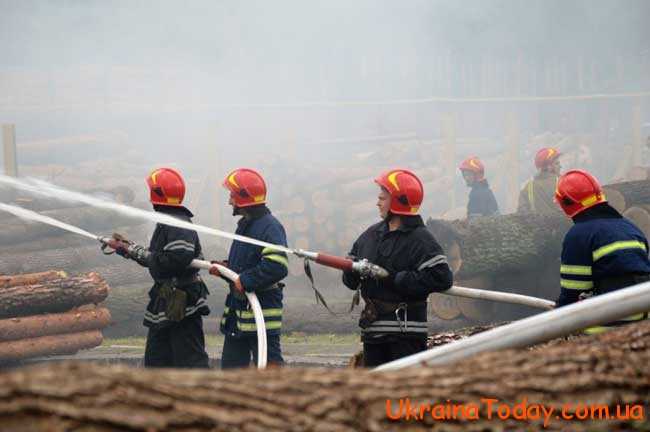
(481, 199)
(603, 251)
(394, 320)
(260, 271)
(178, 297)
(537, 195)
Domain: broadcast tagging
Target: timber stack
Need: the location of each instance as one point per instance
(564, 376)
(517, 253)
(50, 313)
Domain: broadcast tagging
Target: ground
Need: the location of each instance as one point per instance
(299, 349)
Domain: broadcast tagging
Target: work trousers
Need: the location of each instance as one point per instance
(391, 348)
(238, 350)
(177, 344)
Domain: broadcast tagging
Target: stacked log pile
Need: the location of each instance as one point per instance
(608, 370)
(50, 313)
(517, 253)
(327, 208)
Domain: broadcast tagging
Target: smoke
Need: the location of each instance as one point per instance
(39, 187)
(322, 94)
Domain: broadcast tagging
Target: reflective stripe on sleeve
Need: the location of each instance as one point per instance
(616, 246)
(578, 270)
(576, 285)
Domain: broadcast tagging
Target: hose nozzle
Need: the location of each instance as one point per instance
(367, 269)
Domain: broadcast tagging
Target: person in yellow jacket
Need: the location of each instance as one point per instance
(538, 194)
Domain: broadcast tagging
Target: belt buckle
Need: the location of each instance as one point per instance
(403, 325)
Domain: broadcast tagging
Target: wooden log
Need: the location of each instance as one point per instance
(60, 344)
(443, 338)
(294, 205)
(615, 199)
(118, 271)
(640, 216)
(127, 304)
(301, 224)
(608, 370)
(73, 258)
(360, 187)
(30, 278)
(74, 321)
(362, 210)
(57, 295)
(91, 219)
(476, 310)
(444, 306)
(634, 192)
(509, 243)
(65, 240)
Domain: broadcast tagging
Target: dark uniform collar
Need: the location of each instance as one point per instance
(409, 223)
(253, 213)
(180, 212)
(481, 184)
(599, 211)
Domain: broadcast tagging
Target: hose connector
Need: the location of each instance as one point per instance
(367, 269)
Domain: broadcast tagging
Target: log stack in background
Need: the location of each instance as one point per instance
(50, 313)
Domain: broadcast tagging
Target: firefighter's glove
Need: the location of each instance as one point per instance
(214, 270)
(120, 247)
(237, 285)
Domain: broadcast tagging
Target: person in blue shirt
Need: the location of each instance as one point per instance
(603, 251)
(481, 198)
(260, 271)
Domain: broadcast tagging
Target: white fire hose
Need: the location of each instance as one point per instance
(539, 328)
(255, 306)
(498, 296)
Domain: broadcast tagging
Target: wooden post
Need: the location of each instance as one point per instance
(512, 149)
(9, 142)
(448, 135)
(637, 139)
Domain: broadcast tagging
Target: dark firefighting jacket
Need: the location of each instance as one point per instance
(481, 200)
(171, 251)
(417, 267)
(602, 252)
(260, 271)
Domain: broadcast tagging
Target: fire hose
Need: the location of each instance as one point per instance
(252, 299)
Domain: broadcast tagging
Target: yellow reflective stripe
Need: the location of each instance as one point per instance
(637, 317)
(619, 245)
(531, 195)
(268, 250)
(577, 285)
(592, 199)
(271, 312)
(271, 325)
(596, 330)
(575, 270)
(278, 259)
(226, 309)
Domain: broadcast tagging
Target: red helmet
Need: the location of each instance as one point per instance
(546, 157)
(577, 190)
(247, 187)
(166, 187)
(405, 190)
(473, 164)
